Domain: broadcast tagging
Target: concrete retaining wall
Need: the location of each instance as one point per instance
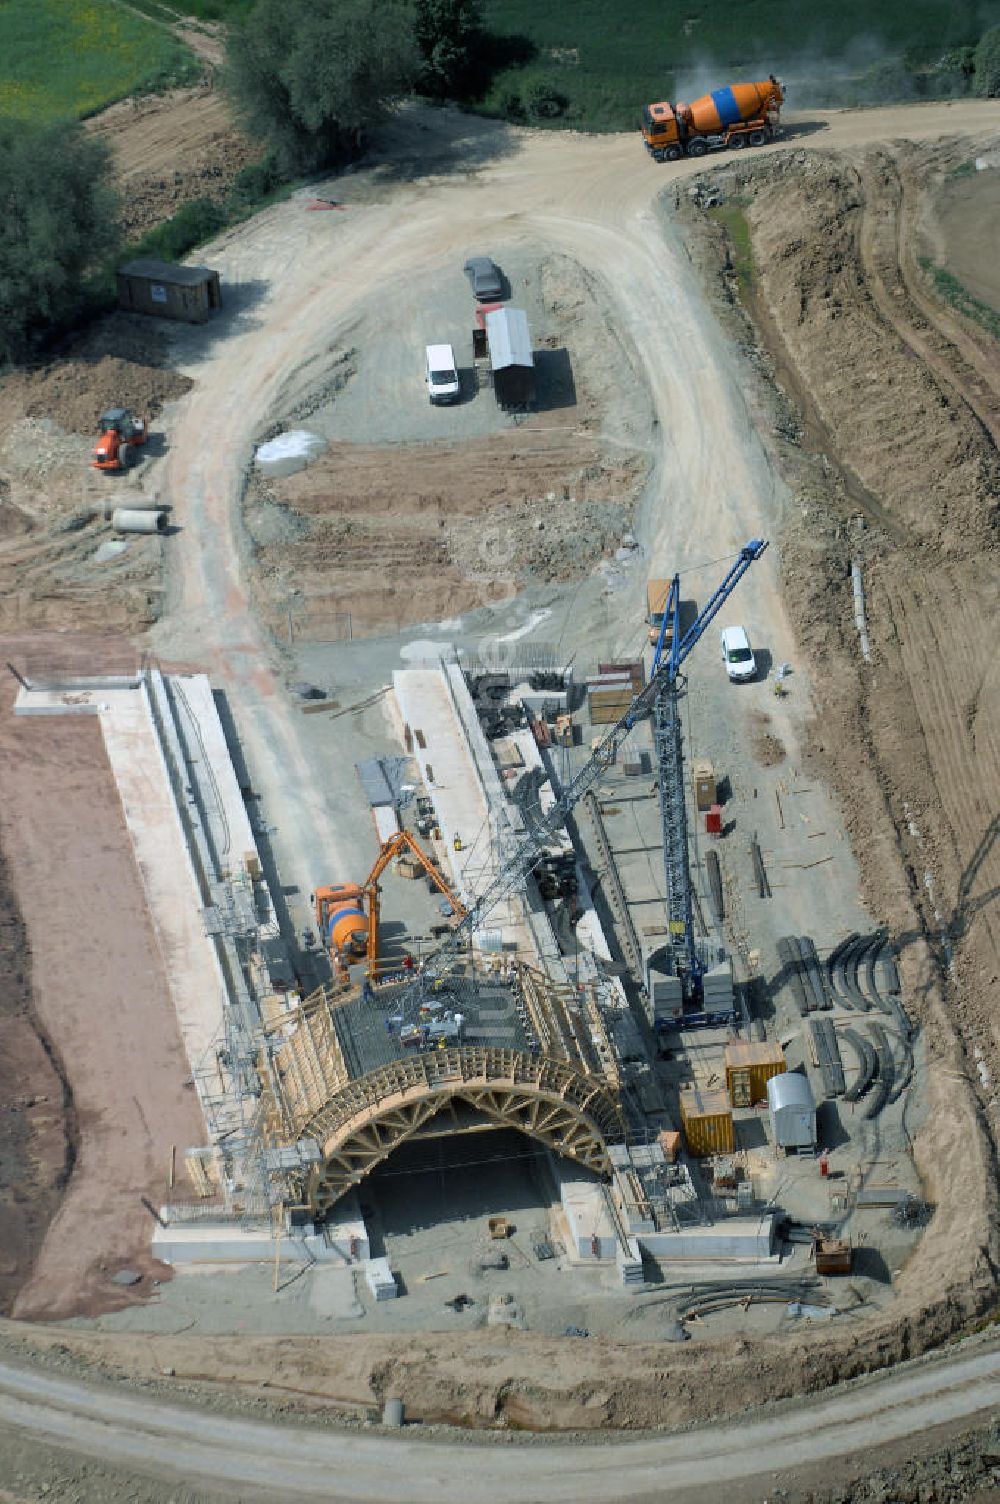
(736, 1238)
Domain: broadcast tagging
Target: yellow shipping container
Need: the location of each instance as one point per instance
(750, 1064)
(707, 1120)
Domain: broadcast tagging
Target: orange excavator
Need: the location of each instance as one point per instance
(119, 434)
(347, 916)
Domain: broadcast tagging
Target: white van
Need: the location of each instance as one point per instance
(737, 655)
(441, 374)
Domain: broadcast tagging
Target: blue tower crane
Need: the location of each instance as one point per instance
(661, 696)
(666, 682)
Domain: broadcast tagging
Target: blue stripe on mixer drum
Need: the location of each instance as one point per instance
(725, 102)
(351, 912)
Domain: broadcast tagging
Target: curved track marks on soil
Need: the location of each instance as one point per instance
(963, 369)
(158, 137)
(937, 627)
(280, 1462)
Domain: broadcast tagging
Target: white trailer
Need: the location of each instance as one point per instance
(792, 1110)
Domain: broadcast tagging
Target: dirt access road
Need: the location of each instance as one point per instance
(455, 184)
(279, 1462)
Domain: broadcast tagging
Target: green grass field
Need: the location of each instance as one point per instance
(591, 63)
(63, 59)
(609, 62)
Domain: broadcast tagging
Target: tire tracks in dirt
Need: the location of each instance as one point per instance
(934, 622)
(937, 622)
(886, 240)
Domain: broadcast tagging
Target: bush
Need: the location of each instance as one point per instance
(512, 107)
(310, 76)
(545, 101)
(448, 33)
(252, 185)
(59, 222)
(986, 60)
(193, 223)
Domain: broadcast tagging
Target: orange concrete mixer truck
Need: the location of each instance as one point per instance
(738, 115)
(343, 923)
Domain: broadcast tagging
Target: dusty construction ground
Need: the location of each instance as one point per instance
(473, 504)
(171, 148)
(903, 396)
(531, 1381)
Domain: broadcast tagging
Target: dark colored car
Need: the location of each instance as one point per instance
(484, 278)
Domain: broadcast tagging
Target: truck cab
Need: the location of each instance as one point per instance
(661, 132)
(657, 592)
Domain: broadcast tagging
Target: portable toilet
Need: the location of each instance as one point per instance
(792, 1109)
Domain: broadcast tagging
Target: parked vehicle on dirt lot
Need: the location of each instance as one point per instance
(484, 278)
(441, 374)
(738, 115)
(657, 592)
(119, 435)
(737, 655)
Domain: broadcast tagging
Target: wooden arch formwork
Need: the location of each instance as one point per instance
(357, 1123)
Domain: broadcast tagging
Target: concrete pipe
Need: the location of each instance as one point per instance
(130, 520)
(137, 503)
(392, 1414)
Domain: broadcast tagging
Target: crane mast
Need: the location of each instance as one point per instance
(661, 697)
(665, 674)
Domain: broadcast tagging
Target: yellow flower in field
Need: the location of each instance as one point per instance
(70, 57)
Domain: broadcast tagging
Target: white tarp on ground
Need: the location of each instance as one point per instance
(289, 452)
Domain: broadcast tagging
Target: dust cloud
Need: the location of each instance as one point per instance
(866, 71)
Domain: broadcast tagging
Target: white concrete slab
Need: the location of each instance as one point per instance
(591, 1227)
(744, 1239)
(229, 1243)
(446, 768)
(386, 823)
(193, 971)
(229, 822)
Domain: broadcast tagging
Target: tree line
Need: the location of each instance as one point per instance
(311, 77)
(308, 79)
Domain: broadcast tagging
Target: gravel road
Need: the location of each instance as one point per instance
(279, 1462)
